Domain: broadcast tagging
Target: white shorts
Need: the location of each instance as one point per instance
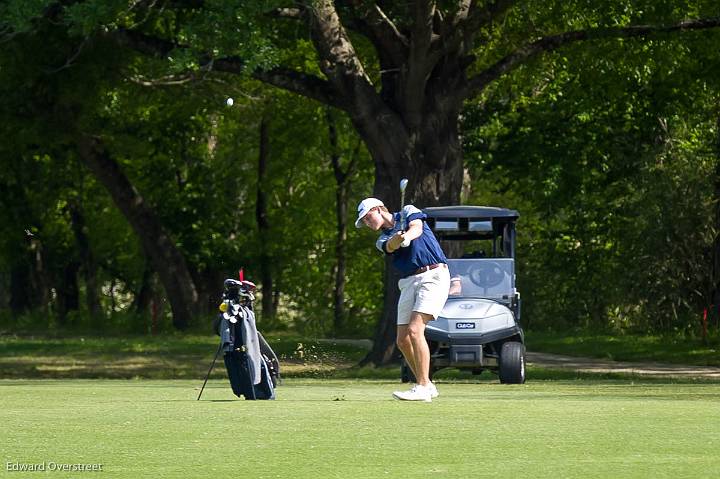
(425, 293)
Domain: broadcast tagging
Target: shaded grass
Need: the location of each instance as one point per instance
(351, 428)
(669, 349)
(189, 356)
(180, 356)
(284, 345)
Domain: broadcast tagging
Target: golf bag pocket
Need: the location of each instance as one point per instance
(237, 365)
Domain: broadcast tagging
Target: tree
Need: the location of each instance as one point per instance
(401, 71)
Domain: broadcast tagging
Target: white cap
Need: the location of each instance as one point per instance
(364, 207)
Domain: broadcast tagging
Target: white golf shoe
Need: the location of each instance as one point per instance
(417, 393)
(433, 390)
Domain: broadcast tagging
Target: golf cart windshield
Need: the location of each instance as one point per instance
(492, 278)
(492, 228)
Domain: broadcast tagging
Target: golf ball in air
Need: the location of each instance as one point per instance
(229, 102)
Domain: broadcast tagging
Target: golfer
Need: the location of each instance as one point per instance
(424, 284)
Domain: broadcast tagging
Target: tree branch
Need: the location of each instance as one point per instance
(168, 80)
(461, 28)
(550, 43)
(145, 44)
(369, 21)
(390, 44)
(338, 58)
(309, 86)
(459, 15)
(337, 54)
(418, 67)
(301, 83)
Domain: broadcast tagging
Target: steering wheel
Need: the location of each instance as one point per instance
(487, 274)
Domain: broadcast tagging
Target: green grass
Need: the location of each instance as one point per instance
(352, 428)
(331, 420)
(670, 349)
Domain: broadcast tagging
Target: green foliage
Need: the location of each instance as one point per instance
(19, 15)
(83, 18)
(609, 158)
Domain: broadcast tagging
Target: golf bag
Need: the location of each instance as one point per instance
(252, 366)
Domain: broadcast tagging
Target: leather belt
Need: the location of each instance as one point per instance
(424, 269)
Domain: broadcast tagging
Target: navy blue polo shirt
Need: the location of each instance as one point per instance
(423, 251)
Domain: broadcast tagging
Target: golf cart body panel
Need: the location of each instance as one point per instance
(482, 313)
(464, 317)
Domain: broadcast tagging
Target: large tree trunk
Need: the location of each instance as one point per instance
(39, 275)
(410, 128)
(87, 259)
(266, 269)
(209, 286)
(144, 294)
(68, 293)
(340, 268)
(714, 296)
(164, 255)
(342, 193)
(21, 289)
(26, 289)
(435, 173)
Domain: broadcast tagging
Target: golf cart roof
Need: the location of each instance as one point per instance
(469, 222)
(479, 212)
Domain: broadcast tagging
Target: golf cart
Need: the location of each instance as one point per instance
(479, 327)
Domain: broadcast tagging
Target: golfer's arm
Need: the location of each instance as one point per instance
(389, 247)
(415, 229)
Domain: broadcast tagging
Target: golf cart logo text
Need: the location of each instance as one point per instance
(464, 325)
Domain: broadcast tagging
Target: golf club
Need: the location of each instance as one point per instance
(403, 220)
(209, 371)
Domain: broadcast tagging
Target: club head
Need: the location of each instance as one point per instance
(403, 184)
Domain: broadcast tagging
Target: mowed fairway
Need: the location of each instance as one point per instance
(353, 429)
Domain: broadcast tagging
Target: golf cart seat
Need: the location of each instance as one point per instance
(491, 278)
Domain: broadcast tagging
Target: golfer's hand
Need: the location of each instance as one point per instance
(395, 242)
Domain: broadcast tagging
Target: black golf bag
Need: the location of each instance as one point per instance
(252, 366)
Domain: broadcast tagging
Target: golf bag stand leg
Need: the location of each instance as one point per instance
(209, 371)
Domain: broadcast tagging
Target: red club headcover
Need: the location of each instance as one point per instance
(241, 275)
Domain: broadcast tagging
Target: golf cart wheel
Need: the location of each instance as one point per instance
(511, 367)
(406, 374)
